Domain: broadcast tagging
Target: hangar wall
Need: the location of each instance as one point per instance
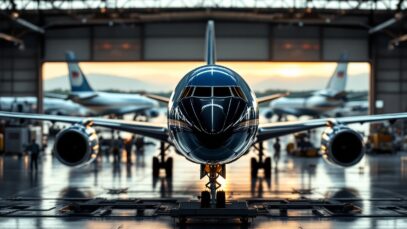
(20, 71)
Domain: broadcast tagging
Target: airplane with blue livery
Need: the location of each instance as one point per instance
(103, 103)
(213, 120)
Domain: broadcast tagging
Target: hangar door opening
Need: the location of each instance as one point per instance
(316, 89)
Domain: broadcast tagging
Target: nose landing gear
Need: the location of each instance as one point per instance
(162, 163)
(260, 164)
(213, 198)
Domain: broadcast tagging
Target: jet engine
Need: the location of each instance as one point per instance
(342, 146)
(76, 145)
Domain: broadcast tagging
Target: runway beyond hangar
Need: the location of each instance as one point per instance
(113, 59)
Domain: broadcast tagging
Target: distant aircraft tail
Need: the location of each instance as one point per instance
(210, 52)
(337, 83)
(77, 79)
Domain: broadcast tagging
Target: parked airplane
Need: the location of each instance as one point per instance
(51, 106)
(103, 103)
(320, 102)
(212, 121)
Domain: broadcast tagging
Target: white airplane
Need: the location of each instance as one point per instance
(320, 102)
(52, 106)
(213, 120)
(103, 103)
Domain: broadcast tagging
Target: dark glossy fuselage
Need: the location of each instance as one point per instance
(212, 115)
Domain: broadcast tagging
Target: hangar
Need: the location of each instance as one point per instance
(133, 53)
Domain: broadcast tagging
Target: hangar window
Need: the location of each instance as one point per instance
(203, 91)
(222, 91)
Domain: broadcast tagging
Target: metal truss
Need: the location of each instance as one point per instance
(168, 4)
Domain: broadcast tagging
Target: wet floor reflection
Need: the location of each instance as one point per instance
(377, 176)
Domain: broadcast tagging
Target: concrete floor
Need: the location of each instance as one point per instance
(377, 176)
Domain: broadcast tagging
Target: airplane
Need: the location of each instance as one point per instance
(52, 106)
(320, 102)
(103, 103)
(213, 120)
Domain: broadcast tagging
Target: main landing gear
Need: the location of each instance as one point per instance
(161, 163)
(260, 164)
(213, 198)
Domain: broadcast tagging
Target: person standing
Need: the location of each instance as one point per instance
(34, 150)
(277, 151)
(128, 146)
(117, 149)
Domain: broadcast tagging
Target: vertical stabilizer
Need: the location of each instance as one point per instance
(210, 52)
(337, 83)
(77, 79)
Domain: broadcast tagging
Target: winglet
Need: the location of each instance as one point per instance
(210, 54)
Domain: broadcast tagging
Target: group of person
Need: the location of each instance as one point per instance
(119, 144)
(127, 144)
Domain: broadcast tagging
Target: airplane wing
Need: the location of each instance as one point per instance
(271, 97)
(128, 110)
(156, 131)
(158, 98)
(55, 96)
(82, 96)
(272, 130)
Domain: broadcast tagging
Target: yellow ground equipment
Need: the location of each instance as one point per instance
(301, 146)
(381, 142)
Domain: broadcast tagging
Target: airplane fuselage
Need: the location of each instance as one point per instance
(104, 103)
(314, 105)
(50, 106)
(213, 115)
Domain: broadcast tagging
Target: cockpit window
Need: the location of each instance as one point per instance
(187, 92)
(203, 91)
(221, 91)
(237, 91)
(213, 92)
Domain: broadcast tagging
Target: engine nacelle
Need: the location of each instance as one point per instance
(76, 145)
(342, 146)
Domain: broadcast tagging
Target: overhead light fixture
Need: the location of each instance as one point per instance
(103, 10)
(29, 25)
(13, 39)
(15, 15)
(396, 41)
(397, 17)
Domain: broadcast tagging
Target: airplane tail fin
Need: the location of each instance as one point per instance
(210, 52)
(77, 79)
(337, 83)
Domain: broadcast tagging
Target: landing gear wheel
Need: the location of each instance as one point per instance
(254, 167)
(205, 199)
(156, 167)
(168, 167)
(267, 167)
(220, 199)
(244, 220)
(182, 221)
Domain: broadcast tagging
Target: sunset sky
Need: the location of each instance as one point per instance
(278, 75)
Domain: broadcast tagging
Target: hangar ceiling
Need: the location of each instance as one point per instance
(122, 4)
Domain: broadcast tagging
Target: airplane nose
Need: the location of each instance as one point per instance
(213, 118)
